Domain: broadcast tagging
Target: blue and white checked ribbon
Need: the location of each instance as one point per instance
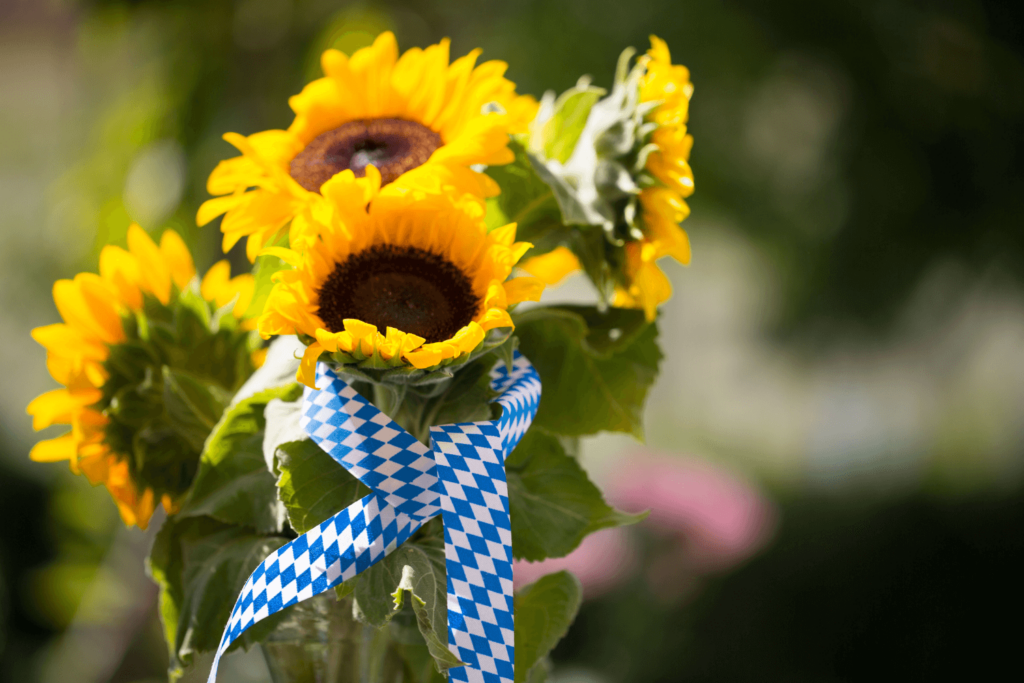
(462, 477)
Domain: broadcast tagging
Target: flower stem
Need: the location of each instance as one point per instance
(388, 397)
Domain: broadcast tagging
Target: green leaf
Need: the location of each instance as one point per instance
(432, 619)
(610, 331)
(591, 382)
(233, 483)
(164, 565)
(561, 132)
(539, 672)
(284, 424)
(222, 357)
(201, 566)
(506, 352)
(414, 572)
(312, 485)
(527, 200)
(216, 567)
(345, 588)
(554, 504)
(193, 406)
(544, 612)
(599, 259)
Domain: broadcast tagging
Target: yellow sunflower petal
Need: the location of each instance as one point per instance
(469, 337)
(244, 286)
(212, 208)
(505, 235)
(155, 272)
(69, 341)
(170, 505)
(307, 366)
(178, 258)
(424, 357)
(53, 450)
(213, 284)
(519, 249)
(495, 296)
(85, 306)
(650, 289)
(289, 256)
(259, 357)
(59, 406)
(359, 329)
(496, 317)
(523, 289)
(328, 340)
(552, 267)
(121, 270)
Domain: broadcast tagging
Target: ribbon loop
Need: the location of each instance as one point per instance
(462, 477)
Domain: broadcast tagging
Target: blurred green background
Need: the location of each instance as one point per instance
(849, 337)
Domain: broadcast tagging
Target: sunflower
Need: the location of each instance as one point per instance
(119, 326)
(420, 121)
(629, 173)
(407, 282)
(663, 204)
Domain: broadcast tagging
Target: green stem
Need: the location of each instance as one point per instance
(421, 406)
(388, 397)
(429, 421)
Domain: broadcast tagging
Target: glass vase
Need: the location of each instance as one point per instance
(319, 641)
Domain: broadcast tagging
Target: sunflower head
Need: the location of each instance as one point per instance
(147, 357)
(627, 171)
(398, 286)
(416, 118)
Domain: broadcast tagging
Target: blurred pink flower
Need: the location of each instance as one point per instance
(721, 518)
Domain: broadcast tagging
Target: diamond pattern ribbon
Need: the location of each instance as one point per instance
(462, 477)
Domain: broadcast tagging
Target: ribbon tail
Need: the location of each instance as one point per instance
(337, 550)
(471, 475)
(478, 550)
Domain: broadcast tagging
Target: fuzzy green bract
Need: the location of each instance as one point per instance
(168, 384)
(577, 177)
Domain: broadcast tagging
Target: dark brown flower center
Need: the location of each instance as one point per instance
(394, 146)
(407, 288)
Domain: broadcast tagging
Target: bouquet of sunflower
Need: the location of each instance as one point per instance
(353, 442)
